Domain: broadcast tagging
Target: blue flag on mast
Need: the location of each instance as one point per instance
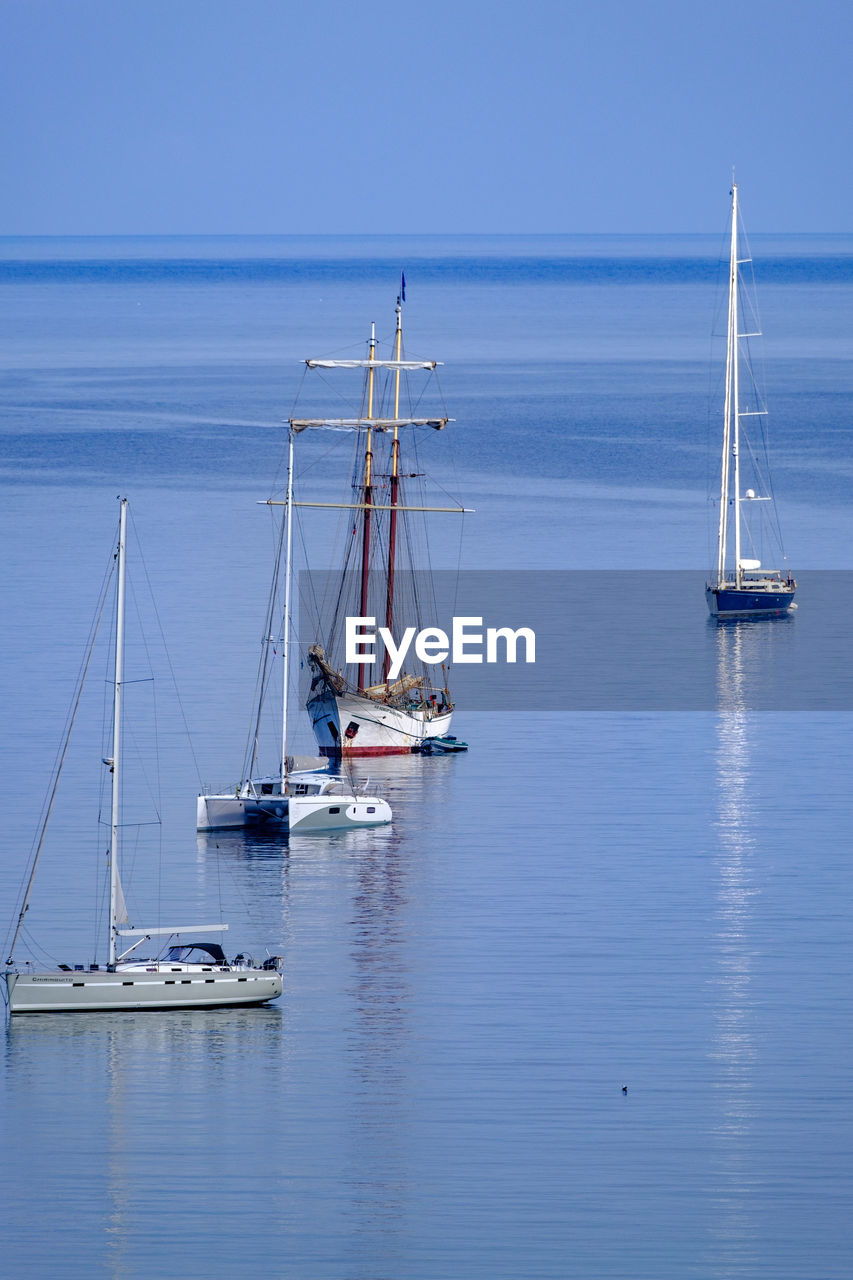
(402, 286)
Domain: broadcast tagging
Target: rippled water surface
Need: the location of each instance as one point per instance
(583, 903)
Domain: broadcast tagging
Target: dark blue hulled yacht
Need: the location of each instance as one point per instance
(742, 588)
(767, 594)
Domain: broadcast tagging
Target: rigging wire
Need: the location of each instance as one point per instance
(752, 364)
(47, 805)
(250, 754)
(166, 652)
(327, 602)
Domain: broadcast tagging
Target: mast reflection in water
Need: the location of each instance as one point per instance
(733, 1049)
(379, 1006)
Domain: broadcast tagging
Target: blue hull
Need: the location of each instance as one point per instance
(728, 602)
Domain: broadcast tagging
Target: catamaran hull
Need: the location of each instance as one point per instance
(728, 602)
(326, 813)
(348, 725)
(296, 813)
(103, 991)
(224, 812)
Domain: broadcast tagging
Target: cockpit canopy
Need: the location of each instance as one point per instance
(197, 953)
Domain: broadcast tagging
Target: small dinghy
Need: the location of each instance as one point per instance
(441, 746)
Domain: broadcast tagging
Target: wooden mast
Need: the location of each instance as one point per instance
(368, 468)
(395, 482)
(288, 573)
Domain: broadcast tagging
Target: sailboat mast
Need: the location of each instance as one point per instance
(368, 467)
(288, 573)
(117, 697)
(735, 405)
(395, 482)
(731, 330)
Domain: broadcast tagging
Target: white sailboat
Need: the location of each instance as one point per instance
(741, 587)
(302, 796)
(186, 973)
(351, 715)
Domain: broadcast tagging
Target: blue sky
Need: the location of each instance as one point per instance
(270, 116)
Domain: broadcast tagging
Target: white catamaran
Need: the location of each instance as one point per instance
(351, 715)
(742, 588)
(186, 972)
(302, 796)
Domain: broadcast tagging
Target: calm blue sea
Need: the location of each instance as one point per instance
(584, 901)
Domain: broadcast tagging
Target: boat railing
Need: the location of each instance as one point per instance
(247, 790)
(781, 576)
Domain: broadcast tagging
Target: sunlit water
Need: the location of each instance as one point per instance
(582, 902)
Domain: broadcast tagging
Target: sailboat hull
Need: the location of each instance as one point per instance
(343, 813)
(318, 802)
(230, 812)
(105, 991)
(760, 602)
(349, 725)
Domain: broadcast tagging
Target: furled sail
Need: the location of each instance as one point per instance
(373, 364)
(121, 916)
(378, 424)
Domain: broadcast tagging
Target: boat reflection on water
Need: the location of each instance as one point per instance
(347, 903)
(740, 646)
(123, 1079)
(353, 906)
(381, 1036)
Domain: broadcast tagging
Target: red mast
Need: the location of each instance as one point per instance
(395, 482)
(368, 501)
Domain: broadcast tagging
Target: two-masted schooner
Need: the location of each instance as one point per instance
(352, 713)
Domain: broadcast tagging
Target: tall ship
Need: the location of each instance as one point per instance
(357, 709)
(741, 587)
